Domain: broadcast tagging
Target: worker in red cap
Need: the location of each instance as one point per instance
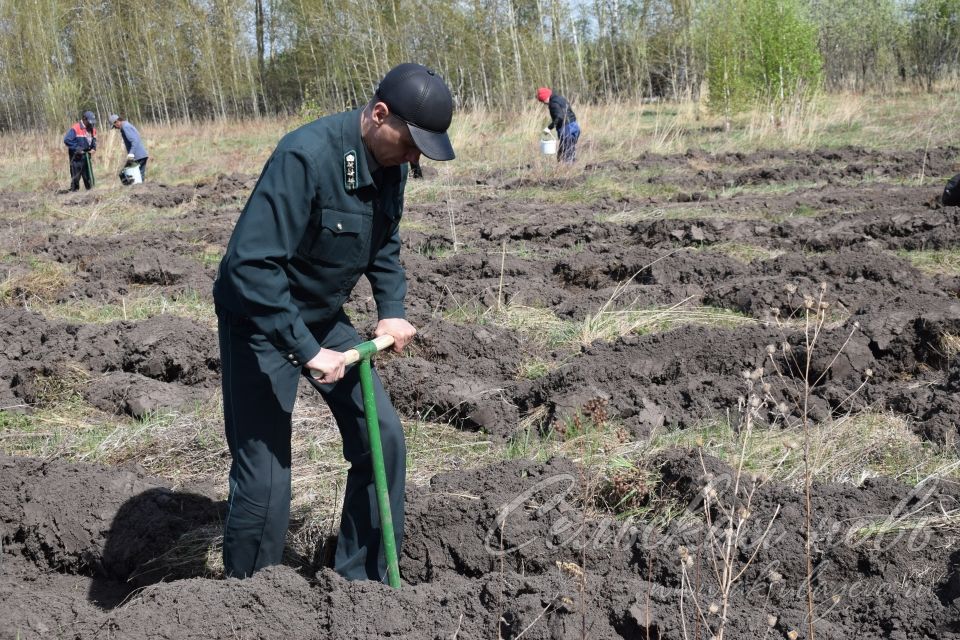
(564, 120)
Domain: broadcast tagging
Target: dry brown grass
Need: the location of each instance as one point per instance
(37, 283)
(504, 142)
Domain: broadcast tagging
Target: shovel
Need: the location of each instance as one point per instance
(362, 353)
(93, 180)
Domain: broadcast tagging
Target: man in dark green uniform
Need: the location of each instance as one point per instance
(325, 211)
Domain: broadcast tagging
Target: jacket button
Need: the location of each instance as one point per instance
(289, 356)
(339, 226)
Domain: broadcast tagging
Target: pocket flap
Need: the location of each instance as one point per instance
(341, 222)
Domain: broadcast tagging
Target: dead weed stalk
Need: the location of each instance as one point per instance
(814, 320)
(726, 534)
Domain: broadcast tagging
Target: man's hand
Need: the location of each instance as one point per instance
(327, 366)
(401, 330)
(546, 130)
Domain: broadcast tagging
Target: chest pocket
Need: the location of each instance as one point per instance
(337, 238)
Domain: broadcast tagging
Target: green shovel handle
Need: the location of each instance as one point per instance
(363, 353)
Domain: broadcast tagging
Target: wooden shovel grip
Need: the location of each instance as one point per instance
(352, 355)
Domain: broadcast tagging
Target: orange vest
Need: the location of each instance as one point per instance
(81, 131)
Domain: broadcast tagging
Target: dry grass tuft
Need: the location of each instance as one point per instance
(849, 449)
(611, 321)
(945, 262)
(41, 283)
(142, 303)
(950, 345)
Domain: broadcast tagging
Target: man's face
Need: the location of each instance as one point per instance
(116, 124)
(86, 123)
(391, 144)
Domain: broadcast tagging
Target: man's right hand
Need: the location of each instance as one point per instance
(327, 366)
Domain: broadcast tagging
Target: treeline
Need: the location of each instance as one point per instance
(164, 60)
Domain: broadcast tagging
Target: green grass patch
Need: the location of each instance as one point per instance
(766, 189)
(108, 212)
(679, 211)
(926, 517)
(615, 481)
(435, 251)
(943, 262)
(408, 224)
(65, 431)
(546, 330)
(609, 324)
(533, 368)
(848, 449)
(184, 445)
(210, 257)
(140, 305)
(446, 189)
(587, 436)
(803, 211)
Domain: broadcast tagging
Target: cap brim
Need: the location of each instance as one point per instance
(435, 146)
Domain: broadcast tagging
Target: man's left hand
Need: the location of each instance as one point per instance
(401, 330)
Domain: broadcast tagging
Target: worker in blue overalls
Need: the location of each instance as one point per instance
(564, 120)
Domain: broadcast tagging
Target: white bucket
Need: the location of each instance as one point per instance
(133, 174)
(548, 147)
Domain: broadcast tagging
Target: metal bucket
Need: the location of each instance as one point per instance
(548, 147)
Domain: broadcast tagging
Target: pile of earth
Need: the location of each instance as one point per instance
(508, 543)
(98, 547)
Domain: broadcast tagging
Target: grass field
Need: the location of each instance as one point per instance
(191, 152)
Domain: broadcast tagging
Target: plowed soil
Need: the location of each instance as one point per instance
(512, 550)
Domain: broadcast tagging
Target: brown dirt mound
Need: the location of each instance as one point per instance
(171, 361)
(507, 543)
(79, 539)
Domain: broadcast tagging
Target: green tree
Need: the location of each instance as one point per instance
(934, 38)
(759, 52)
(861, 42)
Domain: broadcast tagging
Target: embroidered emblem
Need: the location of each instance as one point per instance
(350, 170)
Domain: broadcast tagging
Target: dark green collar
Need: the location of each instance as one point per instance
(356, 170)
(356, 164)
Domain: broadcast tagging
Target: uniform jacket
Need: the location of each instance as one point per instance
(79, 140)
(560, 113)
(315, 222)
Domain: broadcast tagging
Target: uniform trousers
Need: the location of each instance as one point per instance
(79, 168)
(259, 392)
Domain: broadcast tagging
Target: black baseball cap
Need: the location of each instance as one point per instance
(419, 97)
